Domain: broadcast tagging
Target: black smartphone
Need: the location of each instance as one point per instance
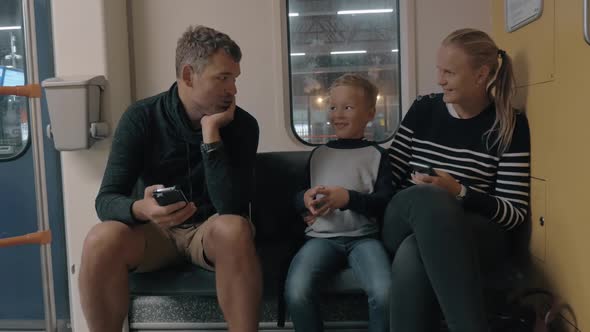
(167, 196)
(422, 168)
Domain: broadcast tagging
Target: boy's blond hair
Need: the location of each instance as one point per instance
(358, 81)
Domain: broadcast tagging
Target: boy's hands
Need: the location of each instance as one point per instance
(148, 209)
(309, 198)
(309, 219)
(322, 200)
(333, 198)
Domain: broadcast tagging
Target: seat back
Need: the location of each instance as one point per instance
(279, 176)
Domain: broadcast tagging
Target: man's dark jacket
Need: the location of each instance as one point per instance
(155, 144)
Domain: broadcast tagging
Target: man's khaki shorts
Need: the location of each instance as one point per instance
(166, 247)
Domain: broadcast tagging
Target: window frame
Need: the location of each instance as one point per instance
(405, 74)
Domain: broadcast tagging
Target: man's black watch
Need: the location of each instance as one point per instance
(210, 147)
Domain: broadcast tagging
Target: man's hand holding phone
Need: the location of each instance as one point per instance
(148, 209)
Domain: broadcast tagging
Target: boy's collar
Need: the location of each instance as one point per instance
(348, 143)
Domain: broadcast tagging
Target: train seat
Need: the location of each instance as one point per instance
(184, 296)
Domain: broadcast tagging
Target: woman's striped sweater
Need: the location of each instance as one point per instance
(498, 186)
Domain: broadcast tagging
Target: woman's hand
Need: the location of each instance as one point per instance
(443, 180)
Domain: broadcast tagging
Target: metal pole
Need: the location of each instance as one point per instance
(39, 163)
(13, 49)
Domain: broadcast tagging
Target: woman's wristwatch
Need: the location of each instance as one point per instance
(462, 193)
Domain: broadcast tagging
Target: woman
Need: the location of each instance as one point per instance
(446, 228)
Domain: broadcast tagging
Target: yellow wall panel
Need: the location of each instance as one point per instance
(559, 116)
(539, 103)
(531, 46)
(538, 218)
(569, 238)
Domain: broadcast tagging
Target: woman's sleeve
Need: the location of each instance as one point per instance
(508, 204)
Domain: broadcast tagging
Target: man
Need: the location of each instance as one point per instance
(195, 138)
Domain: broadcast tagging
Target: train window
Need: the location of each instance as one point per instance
(14, 124)
(330, 38)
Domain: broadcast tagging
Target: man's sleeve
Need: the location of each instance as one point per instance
(229, 170)
(124, 166)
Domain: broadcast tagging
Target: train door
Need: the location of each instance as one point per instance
(33, 278)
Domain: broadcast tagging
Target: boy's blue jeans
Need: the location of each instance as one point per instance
(321, 258)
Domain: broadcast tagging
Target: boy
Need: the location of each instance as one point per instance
(350, 186)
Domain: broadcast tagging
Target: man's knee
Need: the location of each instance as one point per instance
(232, 230)
(108, 241)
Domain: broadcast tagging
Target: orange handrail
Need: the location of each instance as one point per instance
(29, 90)
(42, 237)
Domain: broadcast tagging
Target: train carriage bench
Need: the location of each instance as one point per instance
(184, 297)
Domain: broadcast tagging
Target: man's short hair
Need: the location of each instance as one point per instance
(198, 43)
(358, 81)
